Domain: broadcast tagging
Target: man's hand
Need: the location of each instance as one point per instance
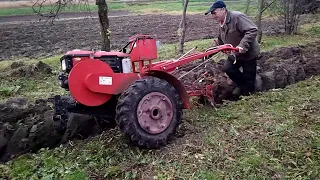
(227, 52)
(241, 50)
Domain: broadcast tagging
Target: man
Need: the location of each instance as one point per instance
(237, 29)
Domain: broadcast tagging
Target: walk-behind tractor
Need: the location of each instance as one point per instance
(143, 97)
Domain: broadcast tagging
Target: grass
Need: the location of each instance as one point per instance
(40, 86)
(269, 135)
(172, 7)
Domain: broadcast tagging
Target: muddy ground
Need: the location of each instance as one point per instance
(40, 39)
(27, 126)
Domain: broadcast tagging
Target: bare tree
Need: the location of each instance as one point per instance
(182, 26)
(57, 7)
(104, 24)
(247, 6)
(292, 11)
(259, 18)
(263, 5)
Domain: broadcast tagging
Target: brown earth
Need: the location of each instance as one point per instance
(27, 126)
(43, 39)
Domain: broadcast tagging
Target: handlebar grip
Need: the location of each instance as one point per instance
(234, 49)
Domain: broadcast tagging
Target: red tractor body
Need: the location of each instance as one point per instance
(144, 98)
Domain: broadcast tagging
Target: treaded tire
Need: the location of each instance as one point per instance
(127, 118)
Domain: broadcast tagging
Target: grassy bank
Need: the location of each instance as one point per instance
(270, 135)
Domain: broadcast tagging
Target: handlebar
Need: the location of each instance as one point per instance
(225, 47)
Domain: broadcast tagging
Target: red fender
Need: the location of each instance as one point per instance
(93, 83)
(175, 83)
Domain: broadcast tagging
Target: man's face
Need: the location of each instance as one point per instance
(218, 14)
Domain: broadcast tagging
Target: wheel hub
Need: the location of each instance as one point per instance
(155, 112)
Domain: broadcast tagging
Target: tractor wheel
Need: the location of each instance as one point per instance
(148, 112)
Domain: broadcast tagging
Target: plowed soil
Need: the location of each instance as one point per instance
(43, 39)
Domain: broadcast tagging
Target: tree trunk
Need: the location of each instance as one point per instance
(292, 11)
(247, 6)
(104, 24)
(294, 22)
(287, 15)
(259, 18)
(182, 27)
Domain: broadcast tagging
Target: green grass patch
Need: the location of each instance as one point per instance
(39, 86)
(263, 136)
(270, 42)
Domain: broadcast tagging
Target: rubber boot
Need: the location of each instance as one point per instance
(236, 91)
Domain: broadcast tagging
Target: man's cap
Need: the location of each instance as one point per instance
(215, 5)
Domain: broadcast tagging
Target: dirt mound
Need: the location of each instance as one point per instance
(28, 126)
(20, 69)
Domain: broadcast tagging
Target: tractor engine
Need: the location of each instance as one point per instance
(118, 61)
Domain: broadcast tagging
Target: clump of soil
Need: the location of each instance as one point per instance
(16, 64)
(21, 69)
(31, 70)
(28, 126)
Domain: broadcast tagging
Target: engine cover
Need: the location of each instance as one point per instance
(113, 59)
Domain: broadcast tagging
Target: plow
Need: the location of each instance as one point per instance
(131, 88)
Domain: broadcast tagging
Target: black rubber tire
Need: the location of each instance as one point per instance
(126, 112)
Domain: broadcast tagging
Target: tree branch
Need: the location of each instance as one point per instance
(56, 7)
(268, 6)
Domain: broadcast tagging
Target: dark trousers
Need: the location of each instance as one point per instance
(244, 80)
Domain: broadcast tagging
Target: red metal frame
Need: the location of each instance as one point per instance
(169, 66)
(89, 79)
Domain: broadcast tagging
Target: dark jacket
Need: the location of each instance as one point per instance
(239, 30)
